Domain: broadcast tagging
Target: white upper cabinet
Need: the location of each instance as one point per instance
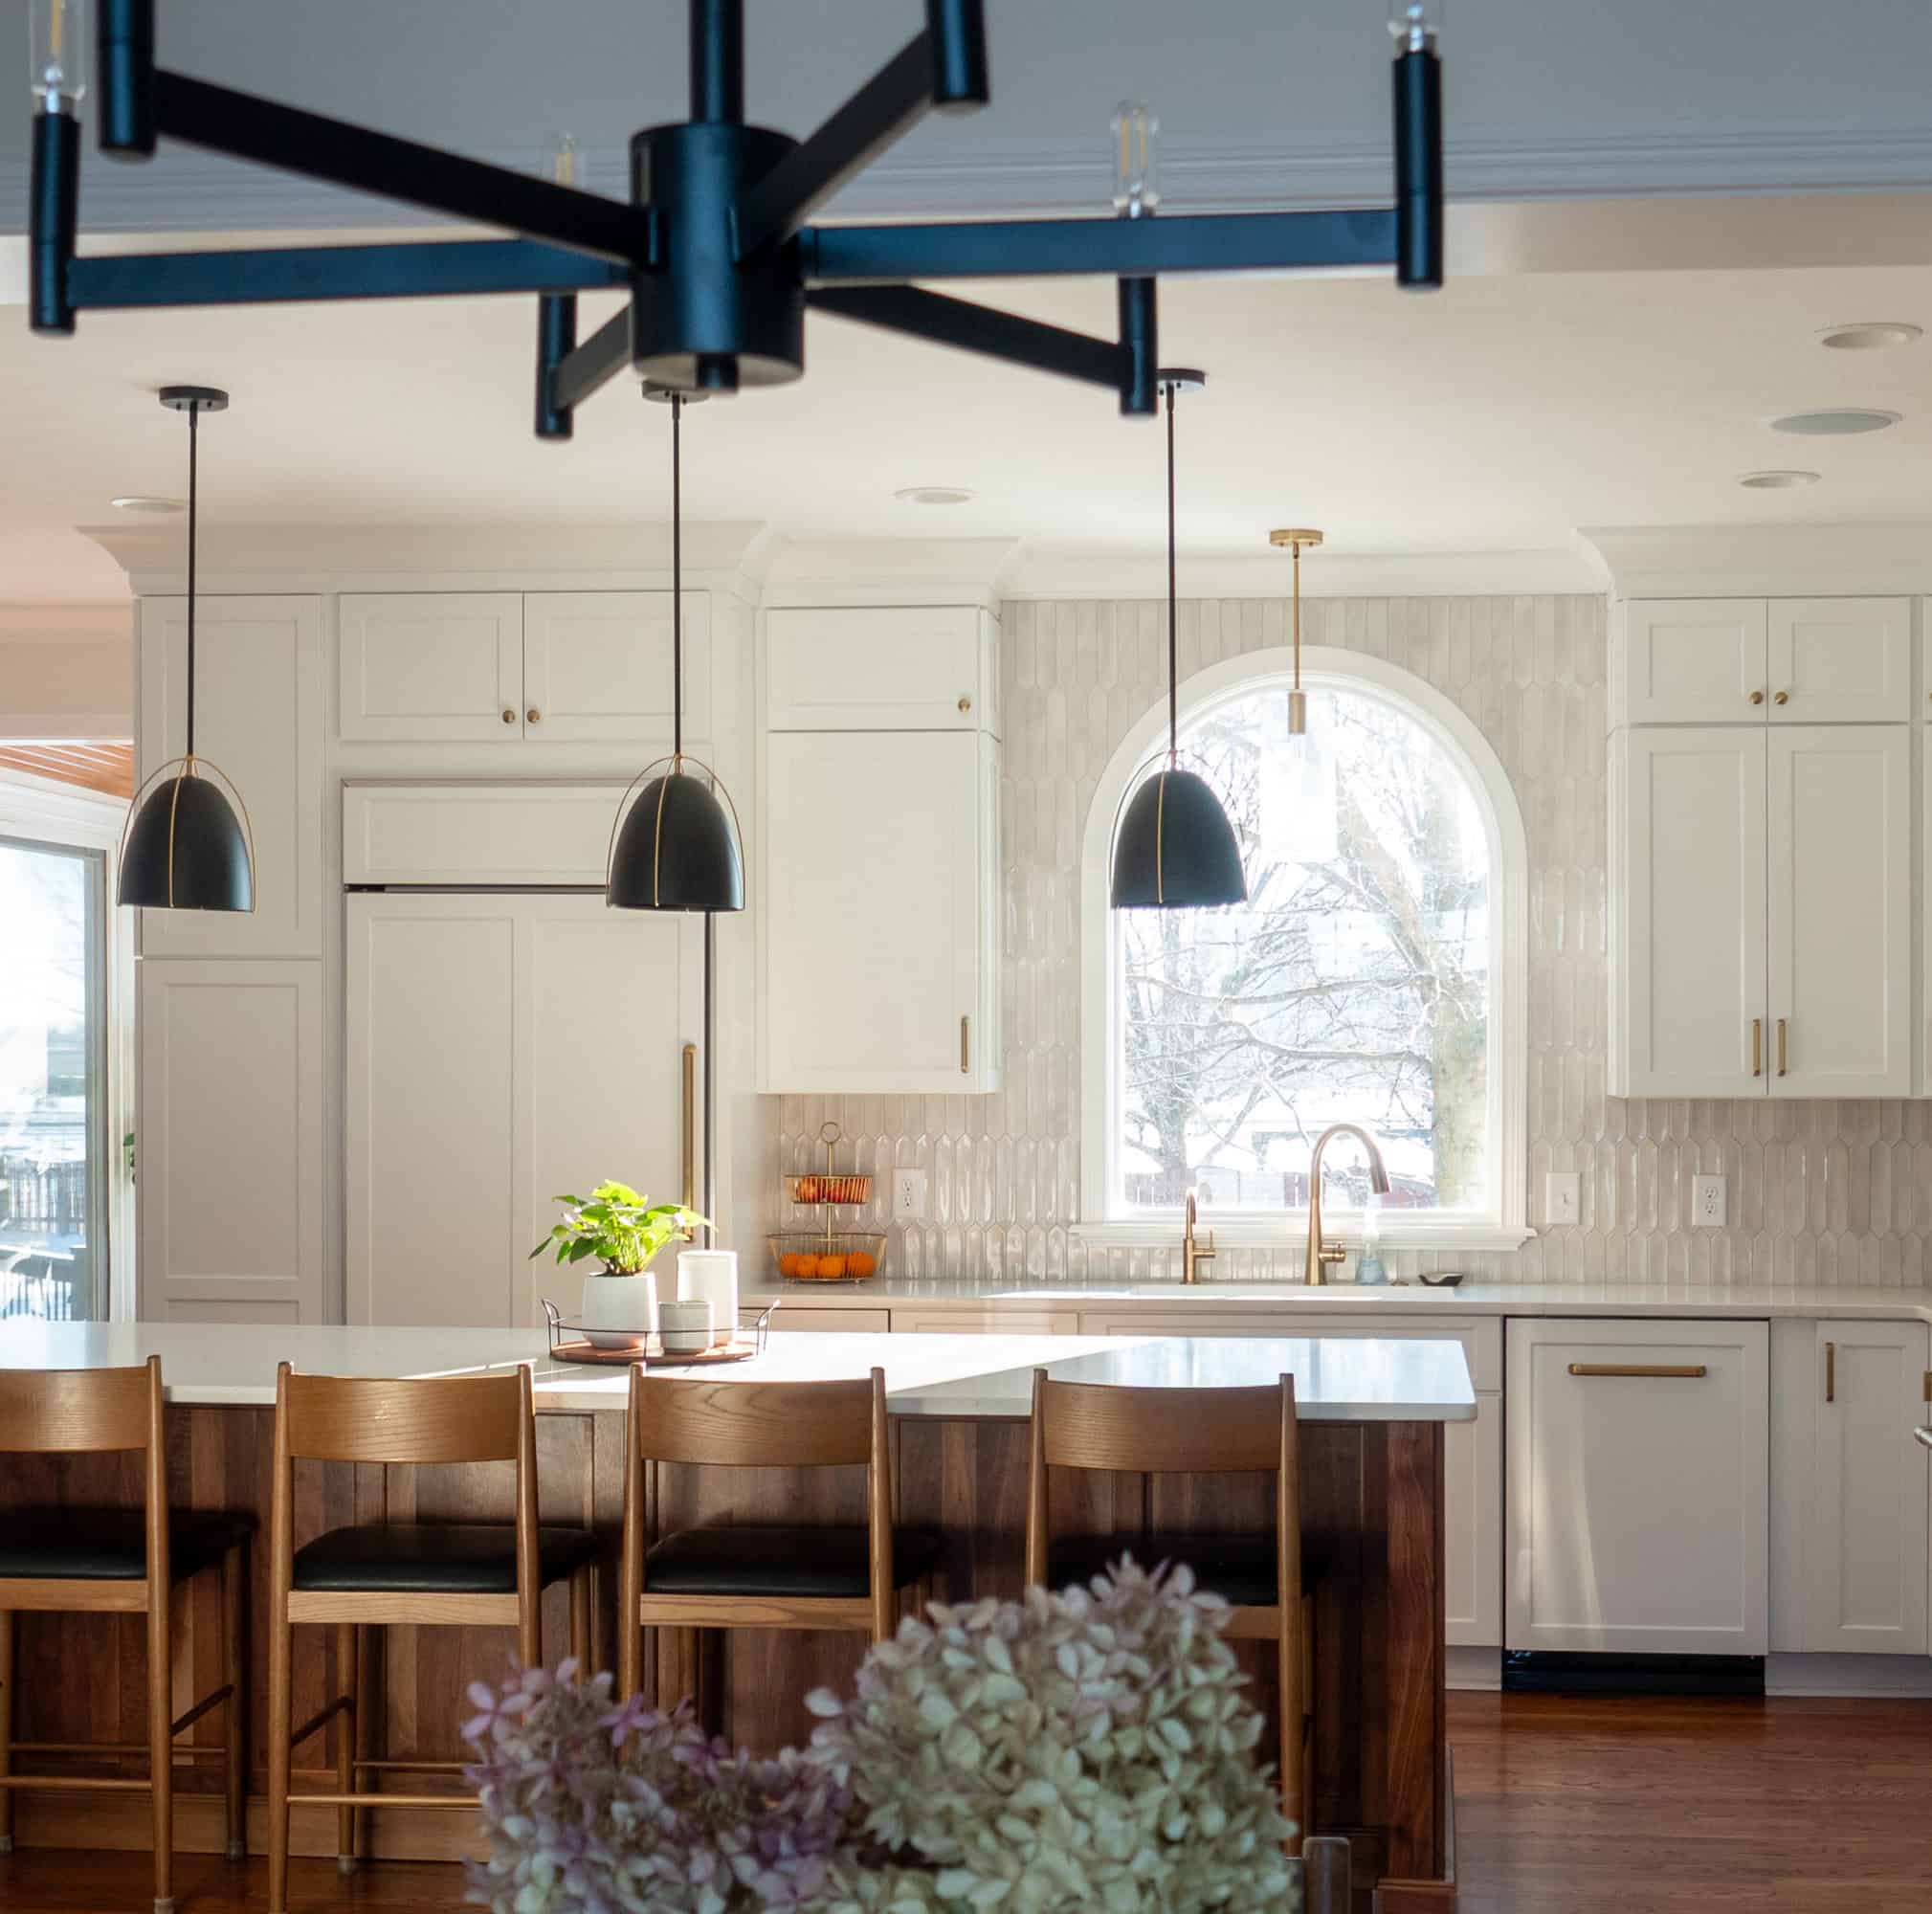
(1840, 910)
(506, 667)
(1637, 1504)
(879, 922)
(258, 719)
(872, 668)
(597, 666)
(1692, 661)
(1839, 660)
(1687, 913)
(441, 666)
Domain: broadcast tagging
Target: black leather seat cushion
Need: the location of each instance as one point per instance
(419, 1558)
(110, 1545)
(799, 1563)
(1239, 1569)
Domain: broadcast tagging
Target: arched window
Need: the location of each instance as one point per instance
(1376, 975)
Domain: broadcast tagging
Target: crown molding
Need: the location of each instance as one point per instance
(184, 191)
(894, 571)
(1048, 573)
(1765, 560)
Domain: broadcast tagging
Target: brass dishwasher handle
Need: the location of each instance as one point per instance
(1782, 1071)
(966, 1046)
(1757, 1046)
(1688, 1371)
(1831, 1371)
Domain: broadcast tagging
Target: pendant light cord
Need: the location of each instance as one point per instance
(676, 578)
(1173, 658)
(193, 516)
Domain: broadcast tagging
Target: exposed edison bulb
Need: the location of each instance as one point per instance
(1417, 24)
(559, 160)
(56, 35)
(1137, 170)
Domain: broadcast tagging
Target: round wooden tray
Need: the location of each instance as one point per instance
(588, 1352)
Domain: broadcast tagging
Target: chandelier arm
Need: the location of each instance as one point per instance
(556, 340)
(421, 269)
(981, 328)
(224, 120)
(591, 365)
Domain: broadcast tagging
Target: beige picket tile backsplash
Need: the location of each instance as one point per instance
(1819, 1192)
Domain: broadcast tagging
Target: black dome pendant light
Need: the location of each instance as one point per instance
(674, 847)
(1175, 849)
(187, 847)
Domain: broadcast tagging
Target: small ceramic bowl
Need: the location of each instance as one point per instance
(684, 1327)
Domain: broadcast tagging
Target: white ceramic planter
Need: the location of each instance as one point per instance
(619, 1311)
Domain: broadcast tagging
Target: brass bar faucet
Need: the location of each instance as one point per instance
(1319, 1253)
(1192, 1254)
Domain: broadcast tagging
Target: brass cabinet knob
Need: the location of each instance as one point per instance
(965, 704)
(509, 716)
(1757, 698)
(1783, 698)
(534, 716)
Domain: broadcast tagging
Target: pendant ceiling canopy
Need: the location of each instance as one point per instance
(676, 845)
(716, 246)
(1174, 848)
(186, 846)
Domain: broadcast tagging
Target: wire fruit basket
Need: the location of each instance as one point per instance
(828, 1254)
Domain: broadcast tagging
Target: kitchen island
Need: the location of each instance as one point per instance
(1373, 1412)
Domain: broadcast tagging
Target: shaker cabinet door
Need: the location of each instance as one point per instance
(1694, 661)
(1839, 660)
(597, 667)
(431, 667)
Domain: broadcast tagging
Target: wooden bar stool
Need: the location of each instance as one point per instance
(824, 1577)
(107, 1560)
(454, 1574)
(1079, 1425)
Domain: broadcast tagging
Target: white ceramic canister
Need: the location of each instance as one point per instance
(619, 1311)
(711, 1276)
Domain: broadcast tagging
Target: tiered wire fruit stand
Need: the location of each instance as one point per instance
(831, 1254)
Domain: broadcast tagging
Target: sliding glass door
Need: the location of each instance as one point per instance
(56, 1172)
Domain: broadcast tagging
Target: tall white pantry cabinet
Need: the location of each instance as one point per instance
(1765, 873)
(360, 1101)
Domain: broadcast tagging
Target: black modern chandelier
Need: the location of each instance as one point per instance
(716, 246)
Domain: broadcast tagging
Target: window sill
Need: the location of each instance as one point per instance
(1291, 1234)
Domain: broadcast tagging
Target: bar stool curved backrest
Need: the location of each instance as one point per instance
(1135, 1431)
(114, 1561)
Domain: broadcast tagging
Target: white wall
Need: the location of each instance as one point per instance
(66, 671)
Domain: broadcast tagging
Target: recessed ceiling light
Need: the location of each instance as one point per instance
(934, 495)
(142, 502)
(1776, 481)
(1868, 335)
(1840, 422)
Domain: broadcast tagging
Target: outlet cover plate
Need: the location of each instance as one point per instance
(1562, 1199)
(1709, 1207)
(908, 1195)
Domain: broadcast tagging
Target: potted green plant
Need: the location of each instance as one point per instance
(623, 1230)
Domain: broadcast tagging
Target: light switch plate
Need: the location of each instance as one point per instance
(1561, 1197)
(1709, 1207)
(908, 1195)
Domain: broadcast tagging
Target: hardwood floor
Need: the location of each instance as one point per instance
(1562, 1807)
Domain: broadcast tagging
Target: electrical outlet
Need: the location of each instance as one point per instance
(1708, 1208)
(1562, 1198)
(908, 1195)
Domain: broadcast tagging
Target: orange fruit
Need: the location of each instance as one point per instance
(807, 1190)
(858, 1263)
(793, 1265)
(832, 1265)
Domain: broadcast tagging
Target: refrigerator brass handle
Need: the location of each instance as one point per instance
(1831, 1371)
(690, 1126)
(966, 1046)
(1757, 1046)
(1782, 1069)
(1688, 1371)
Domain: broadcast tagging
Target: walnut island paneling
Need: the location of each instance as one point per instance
(1371, 1482)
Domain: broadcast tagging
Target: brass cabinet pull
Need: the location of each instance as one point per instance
(1688, 1371)
(1831, 1371)
(966, 1046)
(965, 704)
(690, 1126)
(509, 716)
(1783, 698)
(1757, 698)
(1782, 1071)
(1757, 1046)
(534, 716)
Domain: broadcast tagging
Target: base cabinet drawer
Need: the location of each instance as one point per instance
(1638, 1464)
(788, 1321)
(985, 1321)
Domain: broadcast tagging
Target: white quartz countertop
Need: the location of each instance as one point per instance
(1765, 1302)
(1353, 1379)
